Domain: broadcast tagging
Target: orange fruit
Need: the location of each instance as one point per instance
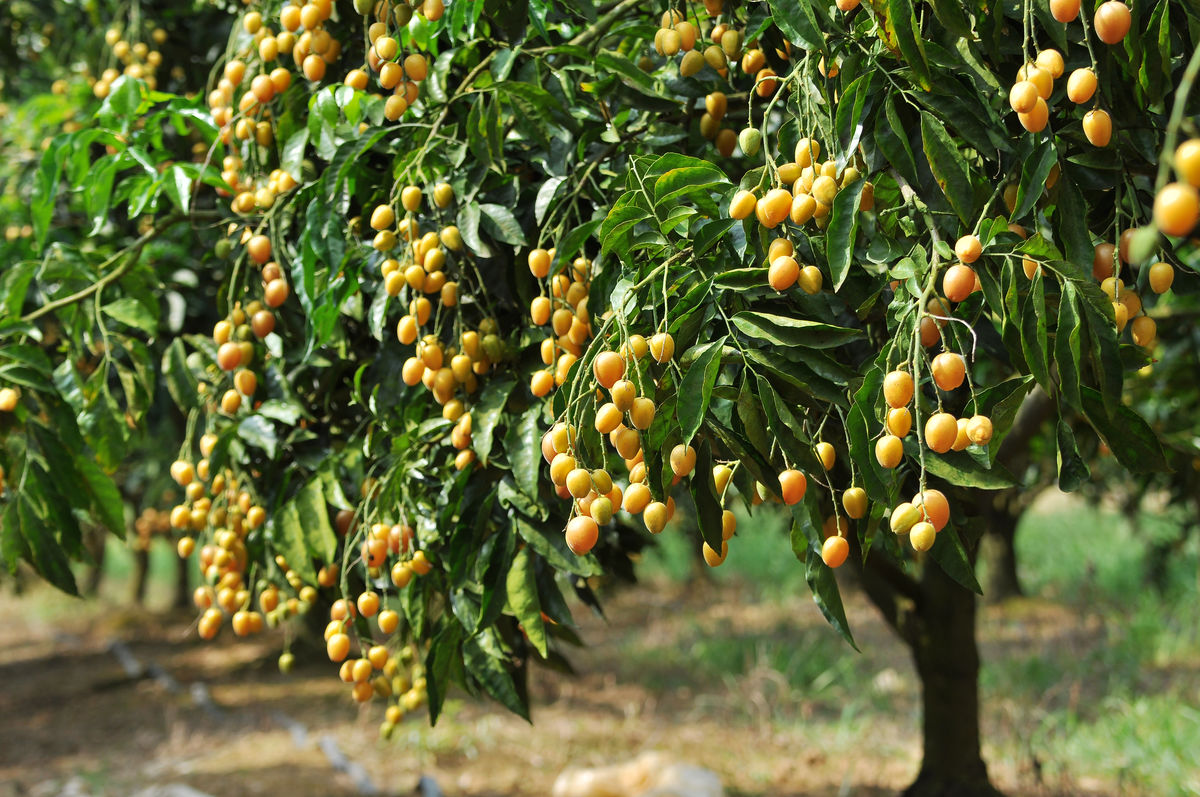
(1081, 85)
(1112, 21)
(940, 432)
(1064, 10)
(979, 430)
(1187, 161)
(899, 421)
(854, 501)
(783, 273)
(1161, 277)
(958, 282)
(742, 205)
(834, 551)
(774, 207)
(792, 486)
(582, 534)
(1097, 126)
(889, 450)
(1023, 96)
(827, 454)
(898, 388)
(968, 248)
(949, 370)
(933, 507)
(1035, 121)
(608, 367)
(1176, 208)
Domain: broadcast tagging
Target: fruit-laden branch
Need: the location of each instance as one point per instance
(130, 253)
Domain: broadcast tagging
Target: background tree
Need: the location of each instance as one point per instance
(433, 284)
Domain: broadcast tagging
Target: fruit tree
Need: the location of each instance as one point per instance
(440, 307)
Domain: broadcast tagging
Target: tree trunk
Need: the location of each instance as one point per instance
(998, 549)
(947, 660)
(141, 568)
(183, 590)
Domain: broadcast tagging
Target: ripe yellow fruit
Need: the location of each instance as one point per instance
(1081, 85)
(1097, 126)
(922, 536)
(712, 558)
(773, 208)
(1035, 121)
(903, 517)
(1161, 277)
(683, 460)
(655, 516)
(827, 454)
(898, 388)
(1112, 21)
(410, 198)
(1022, 97)
(979, 430)
(1144, 330)
(662, 347)
(834, 551)
(1052, 61)
(940, 432)
(889, 450)
(1177, 209)
(899, 421)
(854, 501)
(742, 205)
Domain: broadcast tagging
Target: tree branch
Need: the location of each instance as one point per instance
(130, 252)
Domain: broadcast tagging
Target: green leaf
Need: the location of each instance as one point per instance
(828, 598)
(442, 661)
(523, 600)
(45, 552)
(551, 546)
(1129, 437)
(958, 467)
(493, 676)
(178, 184)
(784, 331)
(302, 532)
(181, 383)
(545, 196)
(951, 556)
(1067, 346)
(1033, 331)
(892, 139)
(133, 313)
(797, 20)
(45, 188)
(524, 448)
(695, 390)
(486, 414)
(1034, 172)
(948, 167)
(501, 224)
(1073, 471)
(108, 506)
(260, 433)
(840, 235)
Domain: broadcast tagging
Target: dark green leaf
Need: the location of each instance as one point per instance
(948, 166)
(523, 599)
(695, 390)
(840, 235)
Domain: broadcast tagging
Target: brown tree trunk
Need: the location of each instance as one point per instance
(947, 660)
(183, 590)
(998, 549)
(141, 569)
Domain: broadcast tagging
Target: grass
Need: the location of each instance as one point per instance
(1112, 701)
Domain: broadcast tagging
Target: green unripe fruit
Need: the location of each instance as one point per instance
(750, 140)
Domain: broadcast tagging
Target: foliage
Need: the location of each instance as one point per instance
(368, 413)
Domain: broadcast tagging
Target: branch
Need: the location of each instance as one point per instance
(130, 252)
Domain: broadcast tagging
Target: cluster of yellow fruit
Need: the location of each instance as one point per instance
(378, 672)
(1035, 80)
(138, 60)
(921, 519)
(419, 271)
(715, 105)
(402, 77)
(220, 514)
(810, 187)
(943, 432)
(1127, 305)
(1177, 205)
(676, 34)
(566, 311)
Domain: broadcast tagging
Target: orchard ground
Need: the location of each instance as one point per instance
(1090, 686)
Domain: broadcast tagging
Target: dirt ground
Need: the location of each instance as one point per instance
(72, 722)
